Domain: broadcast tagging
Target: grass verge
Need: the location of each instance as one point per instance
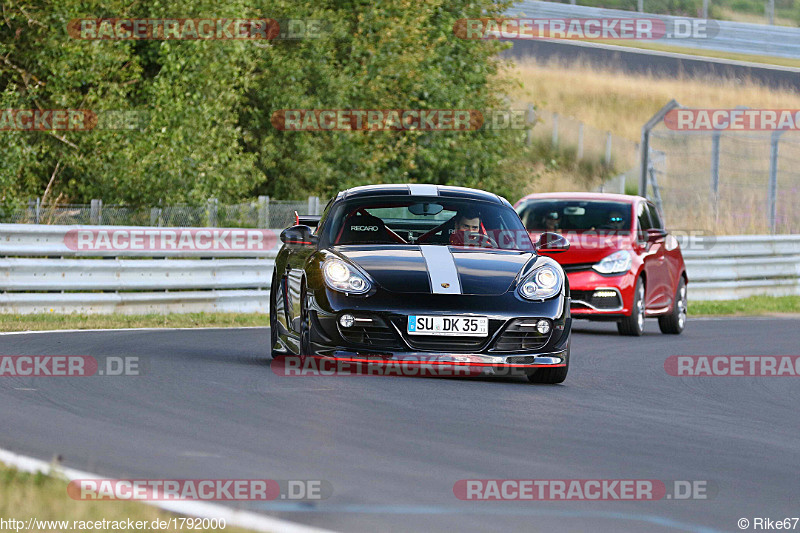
(44, 497)
(610, 100)
(754, 305)
(49, 321)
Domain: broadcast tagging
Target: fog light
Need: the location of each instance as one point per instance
(543, 326)
(605, 294)
(347, 321)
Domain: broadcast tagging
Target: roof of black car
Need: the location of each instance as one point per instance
(390, 189)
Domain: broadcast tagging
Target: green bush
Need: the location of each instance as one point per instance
(209, 103)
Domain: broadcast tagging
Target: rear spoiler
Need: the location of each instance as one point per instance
(306, 220)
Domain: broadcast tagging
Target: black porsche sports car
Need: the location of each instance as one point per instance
(405, 272)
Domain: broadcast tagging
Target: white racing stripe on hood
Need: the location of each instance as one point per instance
(441, 269)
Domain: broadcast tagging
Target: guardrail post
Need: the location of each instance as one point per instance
(212, 212)
(714, 196)
(772, 194)
(770, 8)
(263, 211)
(580, 141)
(644, 146)
(96, 212)
(555, 130)
(607, 158)
(705, 9)
(155, 216)
(640, 6)
(38, 210)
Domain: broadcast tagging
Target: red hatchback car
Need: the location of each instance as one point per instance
(622, 264)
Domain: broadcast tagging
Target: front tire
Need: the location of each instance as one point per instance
(273, 319)
(550, 376)
(634, 325)
(674, 322)
(305, 324)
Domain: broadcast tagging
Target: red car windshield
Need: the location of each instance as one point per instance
(424, 220)
(575, 215)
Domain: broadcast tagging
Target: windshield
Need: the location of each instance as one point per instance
(424, 220)
(575, 215)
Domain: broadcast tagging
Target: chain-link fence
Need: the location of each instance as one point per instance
(262, 213)
(587, 143)
(726, 182)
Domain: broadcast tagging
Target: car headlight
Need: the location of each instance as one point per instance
(615, 263)
(544, 282)
(340, 276)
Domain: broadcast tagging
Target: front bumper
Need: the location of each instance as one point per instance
(381, 334)
(592, 297)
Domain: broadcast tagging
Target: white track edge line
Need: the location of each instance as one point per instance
(234, 517)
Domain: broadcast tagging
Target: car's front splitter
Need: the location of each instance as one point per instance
(346, 363)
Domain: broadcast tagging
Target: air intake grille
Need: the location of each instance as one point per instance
(521, 335)
(375, 333)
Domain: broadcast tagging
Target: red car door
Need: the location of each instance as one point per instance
(671, 264)
(653, 255)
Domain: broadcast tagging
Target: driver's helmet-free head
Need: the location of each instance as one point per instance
(615, 217)
(551, 220)
(468, 220)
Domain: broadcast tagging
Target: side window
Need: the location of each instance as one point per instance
(644, 222)
(324, 216)
(655, 217)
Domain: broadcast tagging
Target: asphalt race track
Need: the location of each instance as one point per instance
(658, 64)
(209, 406)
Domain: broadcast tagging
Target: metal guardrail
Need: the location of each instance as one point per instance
(50, 240)
(732, 267)
(132, 282)
(40, 273)
(734, 37)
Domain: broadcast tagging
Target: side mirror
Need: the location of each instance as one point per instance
(299, 236)
(552, 242)
(655, 235)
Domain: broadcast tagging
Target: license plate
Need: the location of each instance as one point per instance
(462, 326)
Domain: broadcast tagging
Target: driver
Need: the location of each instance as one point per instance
(551, 221)
(458, 229)
(468, 230)
(615, 220)
(468, 220)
